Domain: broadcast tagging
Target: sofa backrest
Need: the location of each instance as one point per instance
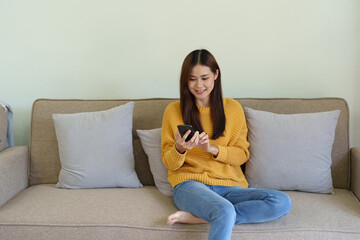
(3, 127)
(45, 163)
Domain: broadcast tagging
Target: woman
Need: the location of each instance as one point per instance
(209, 185)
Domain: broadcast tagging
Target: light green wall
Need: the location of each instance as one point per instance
(134, 49)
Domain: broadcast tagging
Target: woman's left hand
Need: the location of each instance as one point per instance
(204, 144)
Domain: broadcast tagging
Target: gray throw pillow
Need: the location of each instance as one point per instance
(290, 152)
(151, 143)
(96, 149)
(3, 126)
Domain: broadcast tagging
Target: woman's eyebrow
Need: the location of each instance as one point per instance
(200, 75)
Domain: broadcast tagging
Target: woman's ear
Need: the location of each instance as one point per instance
(216, 74)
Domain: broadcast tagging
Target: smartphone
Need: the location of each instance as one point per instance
(183, 129)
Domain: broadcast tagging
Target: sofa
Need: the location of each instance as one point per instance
(31, 207)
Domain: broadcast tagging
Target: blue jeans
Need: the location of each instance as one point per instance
(224, 207)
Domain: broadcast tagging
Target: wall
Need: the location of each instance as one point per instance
(134, 49)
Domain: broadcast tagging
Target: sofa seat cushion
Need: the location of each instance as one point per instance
(45, 212)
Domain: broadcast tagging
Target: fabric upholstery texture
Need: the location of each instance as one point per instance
(43, 211)
(151, 142)
(96, 213)
(14, 163)
(355, 170)
(148, 113)
(95, 148)
(3, 127)
(291, 147)
(10, 141)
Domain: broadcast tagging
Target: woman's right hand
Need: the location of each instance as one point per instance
(182, 146)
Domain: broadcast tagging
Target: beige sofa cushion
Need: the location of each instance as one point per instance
(45, 162)
(45, 212)
(148, 113)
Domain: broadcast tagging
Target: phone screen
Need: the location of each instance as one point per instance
(183, 129)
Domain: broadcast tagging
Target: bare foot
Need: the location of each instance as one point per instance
(184, 217)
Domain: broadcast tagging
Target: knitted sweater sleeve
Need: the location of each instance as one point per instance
(172, 159)
(236, 152)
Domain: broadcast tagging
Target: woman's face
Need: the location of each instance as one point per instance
(201, 83)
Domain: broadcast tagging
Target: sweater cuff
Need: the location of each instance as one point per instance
(222, 155)
(178, 156)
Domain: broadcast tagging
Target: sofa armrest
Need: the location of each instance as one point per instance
(14, 162)
(355, 171)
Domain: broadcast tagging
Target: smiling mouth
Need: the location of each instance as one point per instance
(200, 91)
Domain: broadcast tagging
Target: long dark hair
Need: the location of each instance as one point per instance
(189, 110)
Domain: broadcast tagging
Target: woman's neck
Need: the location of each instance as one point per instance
(203, 103)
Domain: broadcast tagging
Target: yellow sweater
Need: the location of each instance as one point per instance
(200, 165)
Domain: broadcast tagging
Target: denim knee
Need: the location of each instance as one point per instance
(282, 203)
(225, 213)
